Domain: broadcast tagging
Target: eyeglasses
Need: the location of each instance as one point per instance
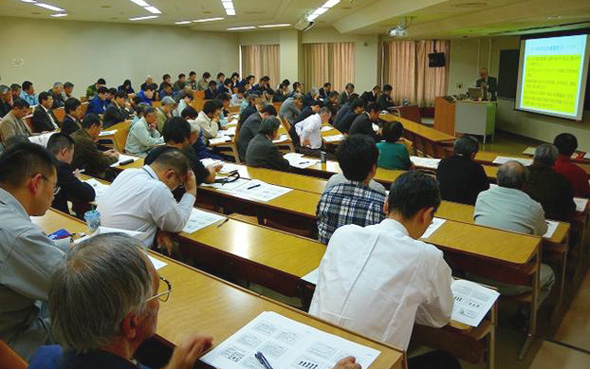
(56, 188)
(164, 291)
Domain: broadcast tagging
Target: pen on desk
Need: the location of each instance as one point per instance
(303, 162)
(260, 356)
(222, 223)
(249, 188)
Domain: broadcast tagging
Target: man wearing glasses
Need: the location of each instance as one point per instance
(28, 257)
(141, 200)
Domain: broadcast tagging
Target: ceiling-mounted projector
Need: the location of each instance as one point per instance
(399, 31)
(304, 25)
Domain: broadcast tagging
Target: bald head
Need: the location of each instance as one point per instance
(512, 175)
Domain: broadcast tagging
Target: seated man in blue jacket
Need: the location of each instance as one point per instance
(98, 104)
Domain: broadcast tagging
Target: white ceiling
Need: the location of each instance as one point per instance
(429, 18)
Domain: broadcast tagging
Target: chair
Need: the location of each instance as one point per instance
(120, 137)
(231, 148)
(60, 114)
(84, 107)
(10, 359)
(198, 103)
(199, 94)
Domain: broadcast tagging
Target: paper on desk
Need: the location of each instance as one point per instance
(430, 163)
(107, 133)
(326, 128)
(157, 263)
(286, 344)
(218, 140)
(312, 277)
(334, 138)
(99, 187)
(581, 204)
(529, 151)
(471, 302)
(122, 158)
(433, 227)
(208, 162)
(41, 139)
(282, 138)
(551, 227)
(200, 219)
(261, 191)
(229, 167)
(504, 159)
(105, 230)
(587, 155)
(226, 186)
(298, 161)
(227, 132)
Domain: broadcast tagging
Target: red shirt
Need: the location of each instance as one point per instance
(576, 175)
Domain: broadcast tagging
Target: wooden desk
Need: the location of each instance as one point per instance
(202, 303)
(429, 141)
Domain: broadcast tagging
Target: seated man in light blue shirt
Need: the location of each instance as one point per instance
(508, 207)
(28, 93)
(143, 135)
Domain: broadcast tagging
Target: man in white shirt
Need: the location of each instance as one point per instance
(140, 199)
(380, 280)
(208, 118)
(309, 131)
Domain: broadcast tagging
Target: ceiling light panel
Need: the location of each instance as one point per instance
(241, 28)
(50, 7)
(58, 15)
(146, 6)
(207, 20)
(143, 18)
(228, 5)
(274, 25)
(322, 9)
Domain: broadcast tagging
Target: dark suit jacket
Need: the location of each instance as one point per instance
(552, 190)
(247, 112)
(4, 108)
(368, 97)
(363, 125)
(308, 99)
(345, 122)
(87, 155)
(248, 131)
(461, 179)
(323, 94)
(71, 188)
(58, 100)
(384, 102)
(263, 153)
(114, 115)
(70, 125)
(305, 113)
(492, 87)
(41, 120)
(209, 95)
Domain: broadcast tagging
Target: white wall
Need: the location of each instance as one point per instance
(57, 50)
(463, 69)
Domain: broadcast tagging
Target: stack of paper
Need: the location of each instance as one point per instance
(326, 128)
(107, 133)
(41, 139)
(433, 227)
(335, 138)
(504, 159)
(429, 163)
(218, 140)
(587, 155)
(551, 228)
(229, 167)
(529, 151)
(208, 162)
(122, 158)
(99, 187)
(157, 263)
(471, 302)
(228, 132)
(200, 219)
(298, 161)
(282, 138)
(581, 204)
(286, 344)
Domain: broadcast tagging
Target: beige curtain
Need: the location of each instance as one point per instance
(431, 82)
(261, 60)
(405, 67)
(328, 62)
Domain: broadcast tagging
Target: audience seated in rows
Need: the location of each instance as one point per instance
(348, 112)
(116, 111)
(208, 118)
(364, 122)
(73, 119)
(291, 108)
(345, 95)
(261, 151)
(43, 118)
(92, 90)
(309, 132)
(392, 154)
(567, 144)
(249, 129)
(143, 135)
(13, 124)
(87, 155)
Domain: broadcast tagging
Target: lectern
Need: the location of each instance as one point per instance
(465, 116)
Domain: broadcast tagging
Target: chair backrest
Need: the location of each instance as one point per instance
(10, 359)
(60, 114)
(29, 121)
(197, 104)
(84, 108)
(199, 94)
(411, 112)
(120, 137)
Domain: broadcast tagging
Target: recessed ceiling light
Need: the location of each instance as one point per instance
(207, 20)
(50, 7)
(183, 22)
(59, 15)
(274, 25)
(228, 5)
(322, 9)
(29, 1)
(141, 3)
(241, 28)
(143, 18)
(153, 10)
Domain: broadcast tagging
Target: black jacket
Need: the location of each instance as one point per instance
(461, 179)
(71, 188)
(368, 97)
(384, 102)
(41, 120)
(552, 190)
(248, 130)
(251, 109)
(263, 153)
(70, 125)
(113, 115)
(363, 125)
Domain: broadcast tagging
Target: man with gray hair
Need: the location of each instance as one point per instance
(104, 303)
(5, 100)
(508, 207)
(311, 96)
(57, 93)
(548, 187)
(164, 112)
(291, 108)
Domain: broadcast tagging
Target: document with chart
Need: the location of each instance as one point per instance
(472, 302)
(286, 344)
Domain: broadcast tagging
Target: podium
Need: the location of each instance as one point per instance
(465, 116)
